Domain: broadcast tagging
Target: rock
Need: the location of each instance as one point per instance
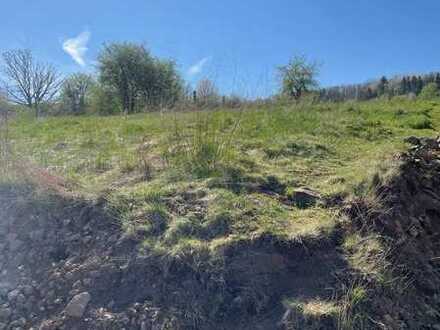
(36, 235)
(77, 306)
(27, 290)
(18, 324)
(5, 313)
(14, 242)
(13, 295)
(412, 140)
(144, 325)
(60, 146)
(304, 197)
(5, 287)
(430, 143)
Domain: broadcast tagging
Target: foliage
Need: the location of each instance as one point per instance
(406, 86)
(298, 76)
(138, 78)
(220, 180)
(430, 91)
(75, 93)
(104, 100)
(382, 87)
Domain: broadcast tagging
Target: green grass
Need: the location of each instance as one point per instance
(187, 185)
(244, 162)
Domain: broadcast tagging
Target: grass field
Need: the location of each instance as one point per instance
(212, 177)
(187, 186)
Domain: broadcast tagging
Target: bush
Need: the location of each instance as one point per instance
(75, 93)
(137, 78)
(104, 101)
(421, 122)
(429, 92)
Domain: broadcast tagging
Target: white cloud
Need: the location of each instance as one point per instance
(77, 47)
(198, 67)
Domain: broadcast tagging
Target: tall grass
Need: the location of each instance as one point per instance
(350, 314)
(204, 144)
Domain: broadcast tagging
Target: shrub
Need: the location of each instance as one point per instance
(103, 100)
(420, 122)
(75, 93)
(429, 92)
(137, 78)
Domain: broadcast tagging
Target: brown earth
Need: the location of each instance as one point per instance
(57, 251)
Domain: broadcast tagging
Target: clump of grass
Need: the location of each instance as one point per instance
(297, 149)
(312, 314)
(204, 145)
(420, 122)
(350, 313)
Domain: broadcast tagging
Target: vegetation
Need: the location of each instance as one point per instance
(29, 83)
(298, 77)
(397, 86)
(138, 78)
(233, 177)
(187, 185)
(430, 91)
(206, 93)
(75, 93)
(324, 146)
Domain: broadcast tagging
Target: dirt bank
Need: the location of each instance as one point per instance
(65, 264)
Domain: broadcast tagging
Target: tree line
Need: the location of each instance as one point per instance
(411, 86)
(128, 79)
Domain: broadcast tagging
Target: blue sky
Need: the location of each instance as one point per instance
(236, 43)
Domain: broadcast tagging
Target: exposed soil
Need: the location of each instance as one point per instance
(55, 248)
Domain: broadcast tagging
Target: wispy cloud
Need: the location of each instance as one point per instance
(77, 47)
(198, 67)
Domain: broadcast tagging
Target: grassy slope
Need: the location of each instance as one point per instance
(186, 182)
(330, 148)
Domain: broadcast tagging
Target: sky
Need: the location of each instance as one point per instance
(237, 44)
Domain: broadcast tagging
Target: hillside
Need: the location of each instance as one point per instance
(307, 216)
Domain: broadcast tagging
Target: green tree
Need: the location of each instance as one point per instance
(437, 79)
(298, 76)
(404, 86)
(413, 84)
(419, 85)
(104, 100)
(382, 87)
(166, 86)
(138, 77)
(75, 92)
(429, 92)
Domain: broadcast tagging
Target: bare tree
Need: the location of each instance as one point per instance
(29, 83)
(207, 92)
